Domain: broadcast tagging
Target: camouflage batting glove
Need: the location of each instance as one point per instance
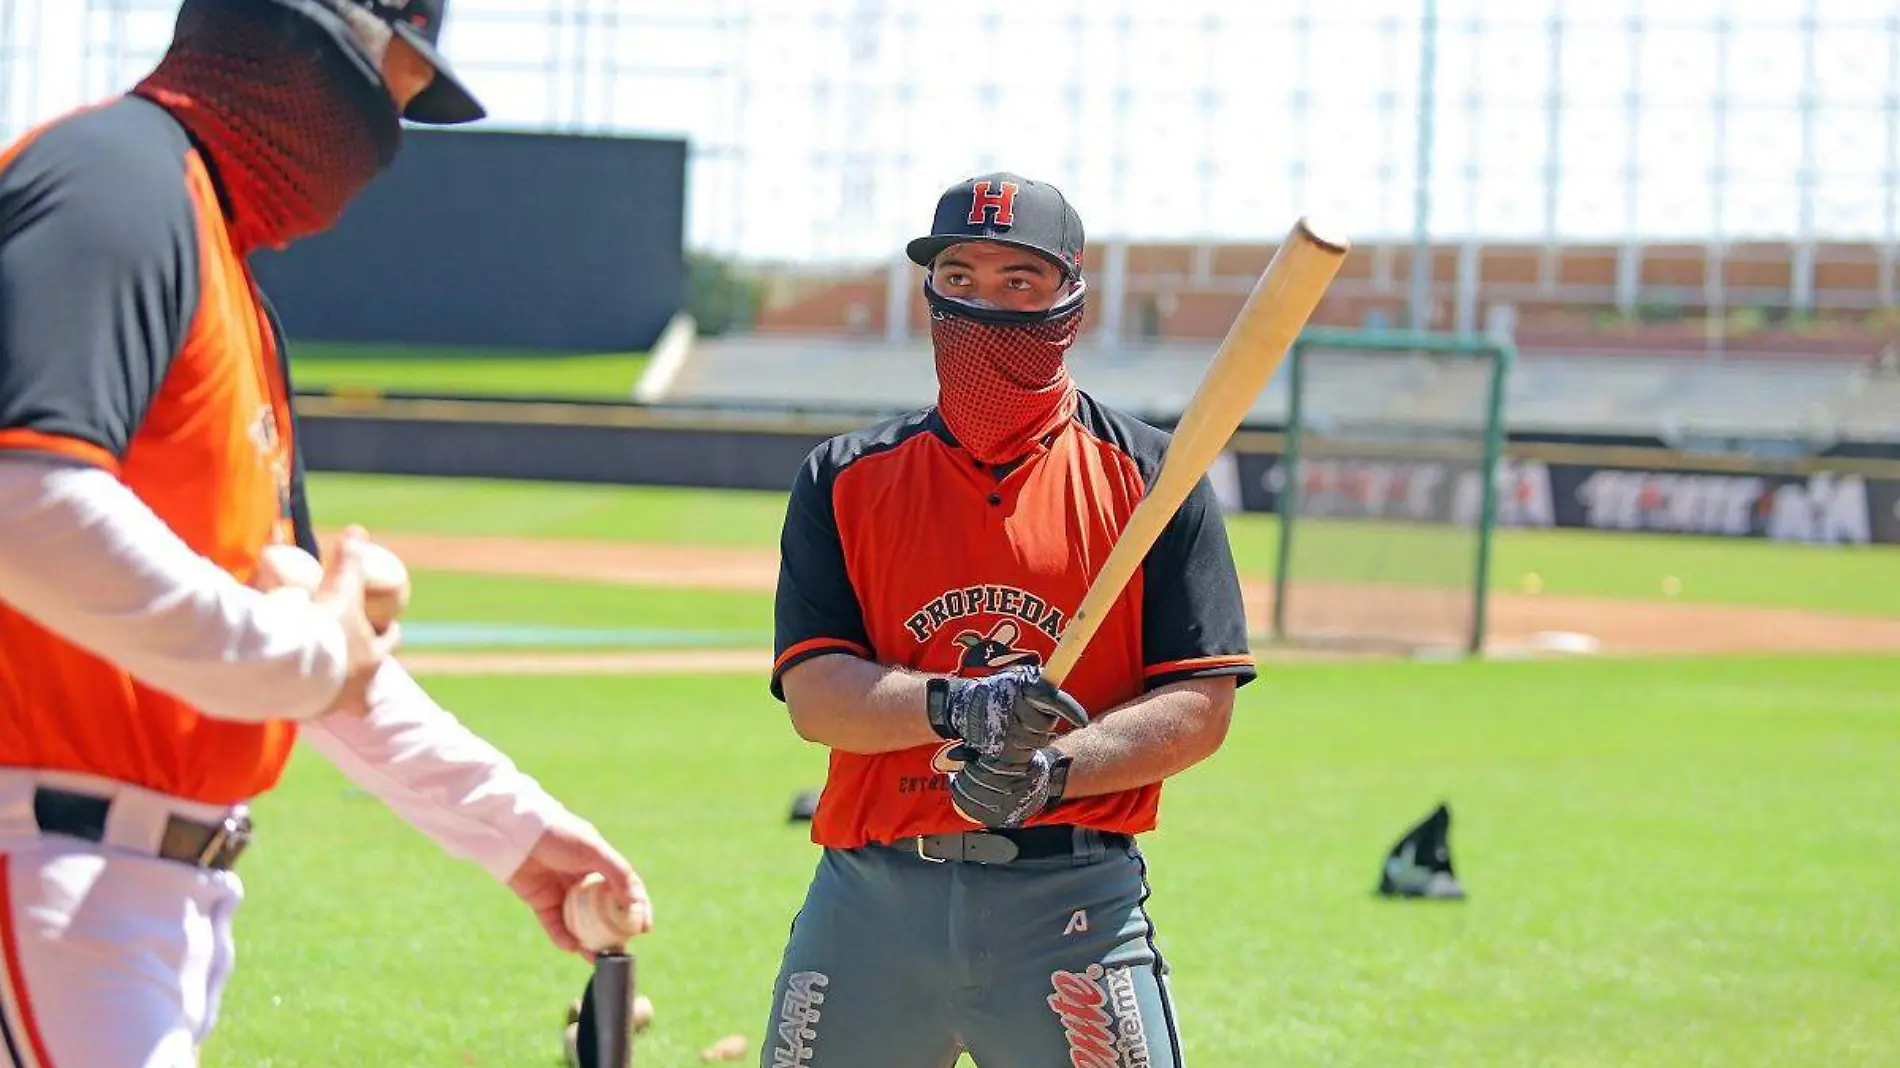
(1008, 715)
(996, 794)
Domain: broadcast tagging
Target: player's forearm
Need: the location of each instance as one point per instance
(85, 558)
(856, 706)
(436, 774)
(1155, 736)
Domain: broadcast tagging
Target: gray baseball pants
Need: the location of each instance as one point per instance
(898, 960)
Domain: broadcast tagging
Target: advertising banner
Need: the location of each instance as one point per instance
(1883, 510)
(1420, 491)
(1823, 508)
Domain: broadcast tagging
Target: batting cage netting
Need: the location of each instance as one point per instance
(1386, 490)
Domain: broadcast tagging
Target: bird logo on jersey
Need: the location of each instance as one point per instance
(984, 653)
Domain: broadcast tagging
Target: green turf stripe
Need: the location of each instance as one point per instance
(425, 635)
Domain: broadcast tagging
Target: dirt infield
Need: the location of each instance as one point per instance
(1625, 627)
(1517, 620)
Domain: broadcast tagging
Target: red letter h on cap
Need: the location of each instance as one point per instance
(983, 201)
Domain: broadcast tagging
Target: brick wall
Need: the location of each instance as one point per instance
(1570, 305)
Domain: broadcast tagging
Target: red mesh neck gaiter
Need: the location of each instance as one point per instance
(290, 139)
(1002, 388)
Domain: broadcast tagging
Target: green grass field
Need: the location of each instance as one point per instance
(1672, 862)
(1670, 865)
(618, 616)
(452, 371)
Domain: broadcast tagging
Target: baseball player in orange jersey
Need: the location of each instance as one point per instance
(148, 454)
(928, 565)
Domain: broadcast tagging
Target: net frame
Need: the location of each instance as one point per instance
(1501, 355)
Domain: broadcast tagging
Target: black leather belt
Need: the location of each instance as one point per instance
(1001, 846)
(201, 845)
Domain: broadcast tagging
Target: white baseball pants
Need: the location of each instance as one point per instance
(114, 957)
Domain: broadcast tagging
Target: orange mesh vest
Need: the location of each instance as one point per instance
(134, 339)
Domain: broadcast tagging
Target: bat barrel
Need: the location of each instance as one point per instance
(1322, 235)
(613, 1010)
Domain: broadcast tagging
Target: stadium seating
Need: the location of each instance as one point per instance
(1588, 363)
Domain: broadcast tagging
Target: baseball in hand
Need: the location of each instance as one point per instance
(385, 586)
(286, 567)
(385, 578)
(598, 922)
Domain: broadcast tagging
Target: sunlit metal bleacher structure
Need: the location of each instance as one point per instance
(1592, 355)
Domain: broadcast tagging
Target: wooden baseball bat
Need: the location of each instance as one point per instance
(613, 1009)
(1257, 343)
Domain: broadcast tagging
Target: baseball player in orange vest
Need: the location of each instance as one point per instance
(148, 456)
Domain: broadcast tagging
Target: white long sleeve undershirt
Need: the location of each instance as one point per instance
(88, 560)
(81, 554)
(436, 774)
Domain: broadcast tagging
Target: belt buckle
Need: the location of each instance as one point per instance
(920, 851)
(227, 843)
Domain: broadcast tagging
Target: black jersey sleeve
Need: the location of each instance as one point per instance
(1194, 621)
(816, 610)
(98, 279)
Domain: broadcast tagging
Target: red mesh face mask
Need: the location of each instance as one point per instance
(293, 130)
(1002, 386)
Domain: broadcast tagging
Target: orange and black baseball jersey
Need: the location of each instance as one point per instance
(900, 547)
(133, 339)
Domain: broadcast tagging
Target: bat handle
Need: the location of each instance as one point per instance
(613, 1009)
(1056, 670)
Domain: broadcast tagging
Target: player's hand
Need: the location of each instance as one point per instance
(340, 595)
(997, 794)
(567, 852)
(1005, 716)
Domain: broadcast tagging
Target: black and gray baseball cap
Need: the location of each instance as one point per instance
(1009, 209)
(447, 101)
